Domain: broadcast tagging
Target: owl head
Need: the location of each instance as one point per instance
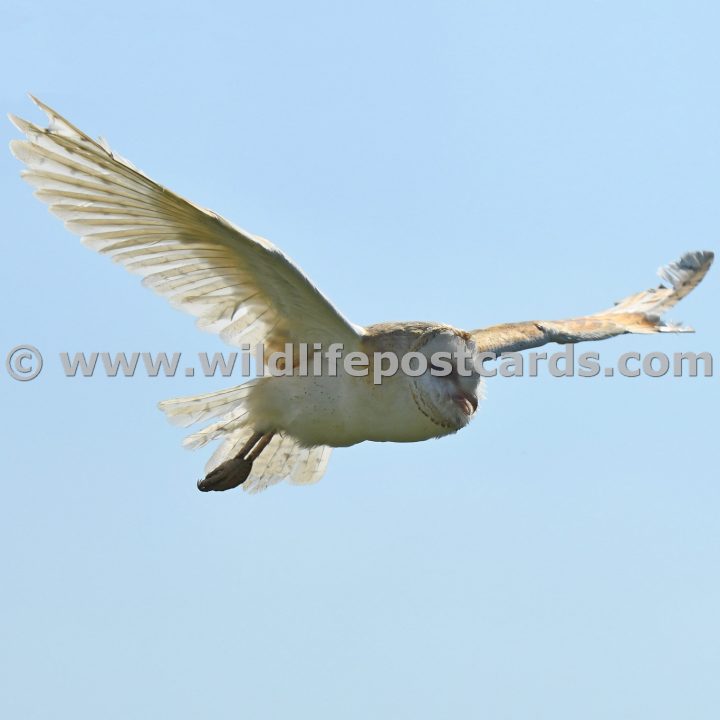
(449, 390)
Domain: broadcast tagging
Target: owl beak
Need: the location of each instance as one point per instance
(467, 402)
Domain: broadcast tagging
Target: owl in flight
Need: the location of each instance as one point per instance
(244, 288)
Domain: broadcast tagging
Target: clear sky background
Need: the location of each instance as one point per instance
(469, 162)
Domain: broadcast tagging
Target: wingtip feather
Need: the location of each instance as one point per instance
(18, 122)
(19, 149)
(680, 271)
(39, 103)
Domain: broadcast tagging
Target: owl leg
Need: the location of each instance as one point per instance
(235, 471)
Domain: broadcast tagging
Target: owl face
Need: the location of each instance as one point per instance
(449, 390)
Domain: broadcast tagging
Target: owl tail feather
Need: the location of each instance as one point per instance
(282, 458)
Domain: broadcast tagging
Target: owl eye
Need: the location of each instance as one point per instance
(442, 370)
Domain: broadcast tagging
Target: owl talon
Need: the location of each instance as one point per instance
(227, 476)
(236, 471)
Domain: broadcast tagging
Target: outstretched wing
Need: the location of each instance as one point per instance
(236, 284)
(639, 313)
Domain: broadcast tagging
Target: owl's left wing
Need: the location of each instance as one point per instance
(235, 283)
(639, 313)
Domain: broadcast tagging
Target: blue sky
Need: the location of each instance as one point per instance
(469, 162)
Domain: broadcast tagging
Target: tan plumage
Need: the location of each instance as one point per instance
(639, 313)
(243, 287)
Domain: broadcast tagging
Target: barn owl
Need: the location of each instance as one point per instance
(244, 288)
